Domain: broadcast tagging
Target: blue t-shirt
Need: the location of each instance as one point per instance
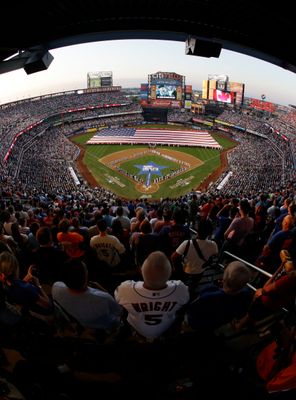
(22, 293)
(215, 308)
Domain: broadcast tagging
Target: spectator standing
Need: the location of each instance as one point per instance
(72, 242)
(108, 247)
(238, 230)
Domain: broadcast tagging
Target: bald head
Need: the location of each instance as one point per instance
(288, 222)
(156, 270)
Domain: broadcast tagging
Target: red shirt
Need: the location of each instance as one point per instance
(280, 293)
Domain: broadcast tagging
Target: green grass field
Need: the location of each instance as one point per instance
(171, 188)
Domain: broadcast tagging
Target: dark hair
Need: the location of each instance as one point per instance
(159, 213)
(204, 229)
(178, 216)
(3, 247)
(75, 222)
(117, 228)
(43, 235)
(233, 212)
(16, 234)
(167, 214)
(245, 206)
(102, 225)
(145, 226)
(5, 216)
(292, 209)
(97, 217)
(34, 227)
(119, 211)
(64, 225)
(75, 274)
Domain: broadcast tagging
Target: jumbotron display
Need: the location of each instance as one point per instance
(164, 89)
(220, 89)
(224, 97)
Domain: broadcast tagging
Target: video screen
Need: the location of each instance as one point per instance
(166, 91)
(224, 97)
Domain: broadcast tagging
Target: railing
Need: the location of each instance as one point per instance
(261, 271)
(263, 327)
(249, 264)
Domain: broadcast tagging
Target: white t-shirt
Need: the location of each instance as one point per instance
(194, 263)
(151, 312)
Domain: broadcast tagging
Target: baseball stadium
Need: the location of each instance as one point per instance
(148, 234)
(155, 161)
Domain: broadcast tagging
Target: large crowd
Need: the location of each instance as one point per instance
(116, 267)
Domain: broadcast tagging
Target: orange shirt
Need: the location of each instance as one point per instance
(71, 242)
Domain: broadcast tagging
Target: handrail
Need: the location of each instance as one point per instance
(262, 271)
(251, 287)
(257, 269)
(248, 284)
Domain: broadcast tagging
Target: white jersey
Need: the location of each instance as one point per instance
(151, 312)
(108, 248)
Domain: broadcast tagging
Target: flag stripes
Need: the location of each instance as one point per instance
(159, 136)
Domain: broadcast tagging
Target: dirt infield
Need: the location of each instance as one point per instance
(83, 168)
(114, 160)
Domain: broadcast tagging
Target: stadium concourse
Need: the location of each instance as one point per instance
(59, 237)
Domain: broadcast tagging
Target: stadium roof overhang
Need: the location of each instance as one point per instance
(256, 28)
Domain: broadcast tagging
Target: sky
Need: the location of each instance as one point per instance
(131, 61)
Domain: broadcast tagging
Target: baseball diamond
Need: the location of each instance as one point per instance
(118, 166)
(184, 162)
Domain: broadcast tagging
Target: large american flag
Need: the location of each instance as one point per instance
(155, 136)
